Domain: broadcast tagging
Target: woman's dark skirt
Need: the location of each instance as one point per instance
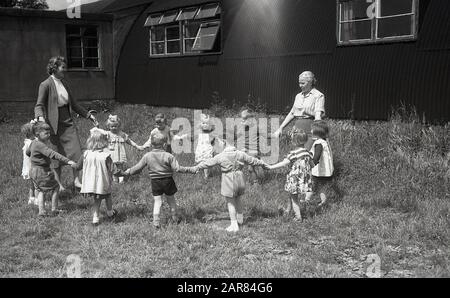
(66, 141)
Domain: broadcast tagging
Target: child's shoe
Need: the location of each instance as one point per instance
(32, 201)
(240, 218)
(56, 212)
(234, 227)
(156, 224)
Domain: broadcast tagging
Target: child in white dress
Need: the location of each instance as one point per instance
(204, 148)
(27, 131)
(322, 172)
(117, 140)
(97, 166)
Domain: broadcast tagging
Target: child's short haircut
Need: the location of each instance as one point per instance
(97, 140)
(160, 117)
(248, 111)
(298, 136)
(158, 139)
(27, 130)
(320, 128)
(113, 119)
(39, 127)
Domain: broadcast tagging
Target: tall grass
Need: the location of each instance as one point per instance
(390, 197)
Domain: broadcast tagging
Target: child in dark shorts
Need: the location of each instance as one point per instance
(42, 176)
(161, 166)
(323, 159)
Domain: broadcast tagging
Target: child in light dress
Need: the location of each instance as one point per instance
(162, 127)
(204, 148)
(322, 172)
(230, 161)
(97, 165)
(117, 140)
(42, 176)
(161, 166)
(27, 132)
(299, 179)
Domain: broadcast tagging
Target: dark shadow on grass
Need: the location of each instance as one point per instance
(255, 214)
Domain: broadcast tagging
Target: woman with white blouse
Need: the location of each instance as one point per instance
(309, 105)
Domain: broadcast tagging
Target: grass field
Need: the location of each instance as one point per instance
(394, 201)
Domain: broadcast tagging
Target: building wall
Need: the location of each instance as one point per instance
(267, 43)
(28, 39)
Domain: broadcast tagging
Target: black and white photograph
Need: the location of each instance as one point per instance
(224, 145)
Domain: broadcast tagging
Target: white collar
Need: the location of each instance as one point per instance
(55, 78)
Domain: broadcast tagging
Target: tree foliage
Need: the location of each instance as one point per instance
(33, 4)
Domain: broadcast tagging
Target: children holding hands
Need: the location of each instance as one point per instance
(42, 176)
(163, 128)
(117, 140)
(161, 165)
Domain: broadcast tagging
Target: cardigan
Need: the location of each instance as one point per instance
(47, 103)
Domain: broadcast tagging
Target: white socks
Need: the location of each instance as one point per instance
(32, 201)
(95, 219)
(234, 227)
(240, 218)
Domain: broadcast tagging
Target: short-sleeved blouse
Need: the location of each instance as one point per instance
(307, 105)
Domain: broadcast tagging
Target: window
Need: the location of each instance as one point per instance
(366, 21)
(82, 47)
(185, 31)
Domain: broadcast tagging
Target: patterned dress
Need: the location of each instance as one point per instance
(204, 149)
(299, 179)
(117, 146)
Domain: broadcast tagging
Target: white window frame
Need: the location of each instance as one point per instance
(83, 47)
(217, 18)
(375, 24)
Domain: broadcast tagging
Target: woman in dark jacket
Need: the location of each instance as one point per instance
(55, 105)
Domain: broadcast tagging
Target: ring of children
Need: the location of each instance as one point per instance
(386, 212)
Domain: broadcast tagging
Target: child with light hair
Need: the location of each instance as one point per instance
(163, 127)
(41, 174)
(161, 166)
(230, 161)
(98, 168)
(299, 179)
(117, 140)
(27, 132)
(205, 139)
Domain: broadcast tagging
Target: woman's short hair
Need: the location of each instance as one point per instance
(27, 130)
(320, 128)
(39, 127)
(98, 139)
(308, 75)
(54, 63)
(298, 136)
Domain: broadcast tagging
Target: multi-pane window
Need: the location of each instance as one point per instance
(82, 46)
(185, 31)
(362, 21)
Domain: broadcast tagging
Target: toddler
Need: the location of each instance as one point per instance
(27, 132)
(163, 128)
(117, 140)
(161, 166)
(299, 179)
(204, 148)
(233, 184)
(323, 159)
(97, 166)
(42, 176)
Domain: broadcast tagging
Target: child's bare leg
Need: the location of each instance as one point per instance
(31, 195)
(206, 173)
(40, 200)
(239, 211)
(120, 166)
(57, 172)
(234, 227)
(296, 207)
(308, 196)
(96, 209)
(156, 210)
(109, 207)
(173, 207)
(55, 197)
